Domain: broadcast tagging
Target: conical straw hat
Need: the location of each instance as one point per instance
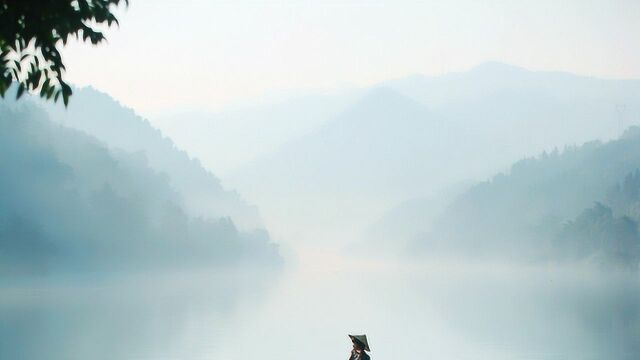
(362, 339)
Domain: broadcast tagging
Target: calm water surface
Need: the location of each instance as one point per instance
(445, 310)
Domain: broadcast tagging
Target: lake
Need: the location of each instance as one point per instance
(430, 310)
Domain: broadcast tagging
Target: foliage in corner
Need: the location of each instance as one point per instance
(31, 32)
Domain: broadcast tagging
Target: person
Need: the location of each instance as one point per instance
(360, 347)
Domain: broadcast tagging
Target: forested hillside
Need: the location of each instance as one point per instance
(68, 203)
(98, 115)
(578, 203)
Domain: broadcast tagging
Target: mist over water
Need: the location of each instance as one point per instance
(175, 315)
(372, 221)
(234, 180)
(447, 309)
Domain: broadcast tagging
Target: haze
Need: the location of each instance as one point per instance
(216, 53)
(233, 180)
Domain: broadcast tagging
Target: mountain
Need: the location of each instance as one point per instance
(378, 150)
(378, 138)
(227, 139)
(68, 203)
(397, 228)
(411, 138)
(578, 203)
(493, 78)
(98, 115)
(526, 112)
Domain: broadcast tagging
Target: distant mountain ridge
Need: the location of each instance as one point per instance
(68, 204)
(98, 115)
(351, 167)
(227, 139)
(410, 138)
(577, 203)
(382, 131)
(495, 77)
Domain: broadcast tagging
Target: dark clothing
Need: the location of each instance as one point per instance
(359, 355)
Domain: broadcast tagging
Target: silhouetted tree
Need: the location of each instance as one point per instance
(625, 197)
(31, 32)
(597, 231)
(69, 203)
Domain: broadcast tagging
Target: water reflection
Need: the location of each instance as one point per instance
(454, 310)
(176, 316)
(536, 312)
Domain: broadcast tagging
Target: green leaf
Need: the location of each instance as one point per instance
(32, 32)
(20, 91)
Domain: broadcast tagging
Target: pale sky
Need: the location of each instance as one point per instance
(173, 54)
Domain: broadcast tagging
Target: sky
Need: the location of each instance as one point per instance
(169, 55)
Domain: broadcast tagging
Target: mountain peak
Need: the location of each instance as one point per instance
(496, 67)
(384, 96)
(382, 91)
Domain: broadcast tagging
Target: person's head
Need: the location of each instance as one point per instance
(360, 342)
(357, 345)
